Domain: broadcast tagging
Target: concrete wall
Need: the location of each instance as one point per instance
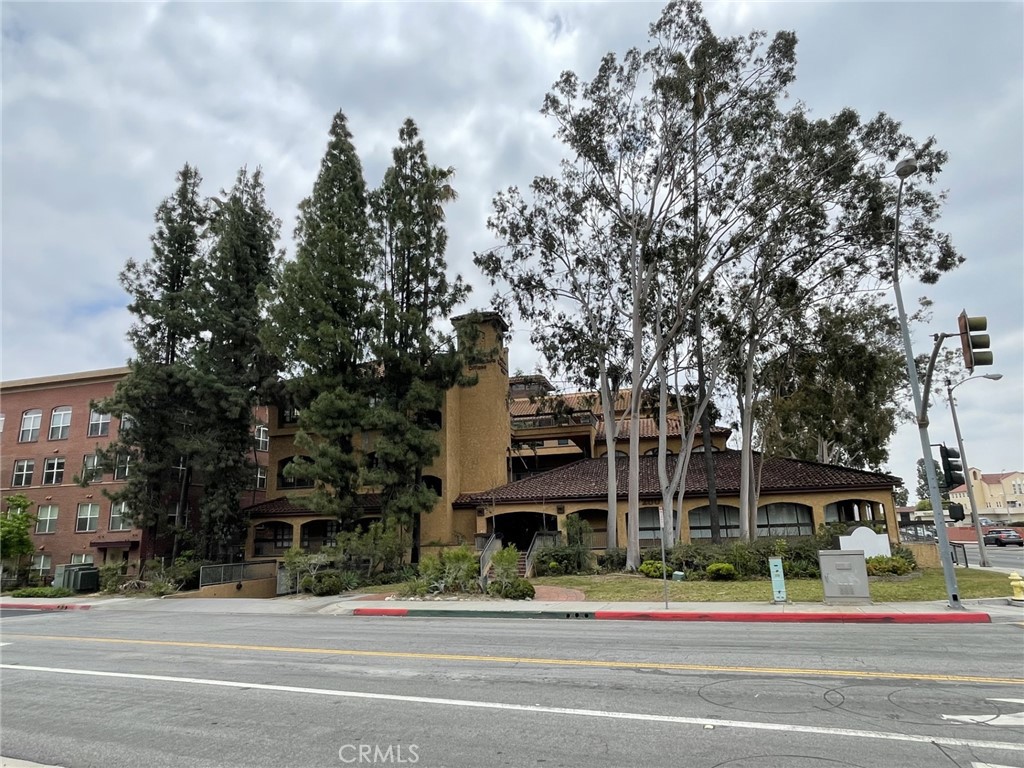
(251, 588)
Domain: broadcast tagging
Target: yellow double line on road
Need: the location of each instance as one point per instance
(591, 663)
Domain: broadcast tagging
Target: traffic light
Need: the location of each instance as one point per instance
(956, 512)
(972, 343)
(952, 469)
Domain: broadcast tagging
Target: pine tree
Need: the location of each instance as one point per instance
(230, 365)
(321, 319)
(155, 401)
(416, 363)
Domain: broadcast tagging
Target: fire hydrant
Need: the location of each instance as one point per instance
(1017, 585)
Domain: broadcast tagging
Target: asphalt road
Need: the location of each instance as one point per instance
(126, 688)
(998, 557)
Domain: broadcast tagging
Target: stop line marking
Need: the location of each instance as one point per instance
(528, 708)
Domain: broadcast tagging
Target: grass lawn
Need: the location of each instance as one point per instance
(928, 585)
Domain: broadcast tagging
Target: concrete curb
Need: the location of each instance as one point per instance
(45, 606)
(789, 618)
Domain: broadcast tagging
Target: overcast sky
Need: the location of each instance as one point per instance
(103, 103)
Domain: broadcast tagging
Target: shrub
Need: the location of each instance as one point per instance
(505, 564)
(721, 572)
(42, 592)
(612, 560)
(112, 576)
(549, 568)
(654, 569)
(880, 565)
(905, 554)
(451, 570)
(569, 560)
(517, 589)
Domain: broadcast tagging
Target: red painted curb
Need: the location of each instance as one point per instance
(818, 618)
(380, 612)
(45, 606)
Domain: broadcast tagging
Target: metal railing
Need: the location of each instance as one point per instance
(959, 552)
(539, 421)
(225, 573)
(541, 540)
(490, 549)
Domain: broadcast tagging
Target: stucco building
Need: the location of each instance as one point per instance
(517, 460)
(1000, 496)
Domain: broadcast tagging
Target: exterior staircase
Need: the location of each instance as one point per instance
(521, 565)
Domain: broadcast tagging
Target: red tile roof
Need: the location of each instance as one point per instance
(283, 506)
(649, 429)
(587, 479)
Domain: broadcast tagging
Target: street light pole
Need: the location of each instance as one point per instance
(905, 168)
(963, 457)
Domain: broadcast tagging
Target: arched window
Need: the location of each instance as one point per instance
(284, 481)
(60, 423)
(30, 421)
(785, 520)
(728, 522)
(433, 483)
(654, 452)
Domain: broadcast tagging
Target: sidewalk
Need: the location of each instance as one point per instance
(976, 611)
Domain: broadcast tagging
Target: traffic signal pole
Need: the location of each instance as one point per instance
(904, 169)
(967, 478)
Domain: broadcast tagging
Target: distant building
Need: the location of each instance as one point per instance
(1000, 496)
(49, 436)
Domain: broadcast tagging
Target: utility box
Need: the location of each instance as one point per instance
(86, 579)
(844, 574)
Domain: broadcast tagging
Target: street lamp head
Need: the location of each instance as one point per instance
(993, 376)
(906, 167)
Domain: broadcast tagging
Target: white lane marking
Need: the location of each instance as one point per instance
(1014, 719)
(999, 745)
(990, 765)
(4, 643)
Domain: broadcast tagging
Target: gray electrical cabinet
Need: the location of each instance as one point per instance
(844, 574)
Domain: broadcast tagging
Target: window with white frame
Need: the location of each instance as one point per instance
(99, 424)
(92, 469)
(2, 420)
(53, 470)
(261, 478)
(23, 469)
(88, 518)
(30, 421)
(60, 423)
(119, 519)
(46, 518)
(82, 558)
(262, 438)
(283, 536)
(121, 466)
(40, 565)
(127, 422)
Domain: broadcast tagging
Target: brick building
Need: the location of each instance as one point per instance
(50, 437)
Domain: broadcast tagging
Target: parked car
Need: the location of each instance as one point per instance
(1002, 537)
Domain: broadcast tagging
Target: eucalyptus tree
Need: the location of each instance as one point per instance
(230, 366)
(415, 362)
(665, 146)
(322, 323)
(829, 238)
(834, 398)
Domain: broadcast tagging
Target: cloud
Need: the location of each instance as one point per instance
(103, 103)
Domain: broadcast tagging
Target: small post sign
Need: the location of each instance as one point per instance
(778, 580)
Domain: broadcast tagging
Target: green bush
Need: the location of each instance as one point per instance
(570, 560)
(112, 576)
(505, 565)
(906, 555)
(880, 565)
(654, 569)
(548, 568)
(42, 592)
(517, 589)
(721, 572)
(612, 560)
(451, 570)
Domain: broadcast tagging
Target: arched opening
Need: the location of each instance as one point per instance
(433, 483)
(519, 528)
(728, 522)
(785, 519)
(597, 519)
(284, 481)
(272, 538)
(317, 534)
